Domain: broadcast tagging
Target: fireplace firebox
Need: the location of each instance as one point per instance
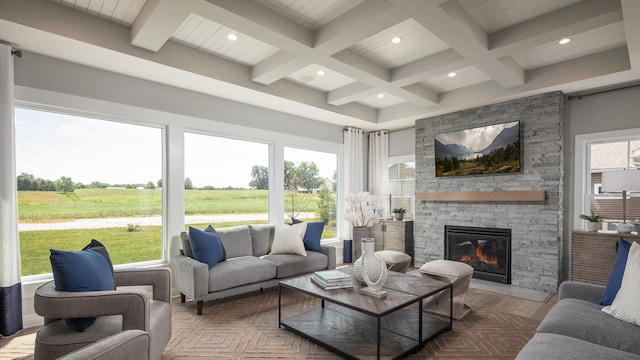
(487, 250)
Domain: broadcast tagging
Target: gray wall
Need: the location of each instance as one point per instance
(45, 73)
(536, 228)
(613, 110)
(402, 142)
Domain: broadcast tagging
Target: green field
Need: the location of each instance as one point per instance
(124, 246)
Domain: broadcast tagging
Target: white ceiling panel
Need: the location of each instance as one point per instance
(377, 102)
(417, 42)
(311, 14)
(464, 77)
(309, 76)
(292, 39)
(587, 43)
(495, 15)
(120, 11)
(206, 35)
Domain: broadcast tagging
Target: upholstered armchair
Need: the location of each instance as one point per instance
(126, 345)
(116, 311)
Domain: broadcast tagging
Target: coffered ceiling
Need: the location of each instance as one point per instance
(334, 60)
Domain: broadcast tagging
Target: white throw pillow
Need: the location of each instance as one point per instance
(626, 305)
(289, 239)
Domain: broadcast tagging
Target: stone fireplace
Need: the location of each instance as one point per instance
(536, 226)
(487, 250)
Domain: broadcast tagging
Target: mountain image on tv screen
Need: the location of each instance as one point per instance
(492, 149)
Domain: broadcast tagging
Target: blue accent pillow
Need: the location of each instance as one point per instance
(210, 229)
(615, 279)
(313, 235)
(206, 246)
(86, 270)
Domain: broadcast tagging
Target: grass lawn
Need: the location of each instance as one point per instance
(124, 246)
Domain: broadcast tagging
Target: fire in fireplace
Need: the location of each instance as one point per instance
(487, 250)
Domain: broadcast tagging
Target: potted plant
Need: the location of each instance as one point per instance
(398, 213)
(593, 221)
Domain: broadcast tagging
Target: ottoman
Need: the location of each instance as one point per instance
(395, 260)
(455, 272)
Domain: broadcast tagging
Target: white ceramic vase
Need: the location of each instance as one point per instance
(369, 268)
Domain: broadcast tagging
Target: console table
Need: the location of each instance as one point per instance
(394, 235)
(593, 255)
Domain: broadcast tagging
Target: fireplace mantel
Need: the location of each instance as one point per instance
(487, 196)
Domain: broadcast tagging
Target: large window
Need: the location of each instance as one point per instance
(226, 181)
(606, 156)
(310, 183)
(80, 179)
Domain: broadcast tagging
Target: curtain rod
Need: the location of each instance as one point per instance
(17, 53)
(579, 97)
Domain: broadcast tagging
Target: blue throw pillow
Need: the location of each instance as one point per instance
(210, 229)
(206, 246)
(313, 235)
(615, 279)
(86, 270)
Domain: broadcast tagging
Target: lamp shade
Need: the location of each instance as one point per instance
(621, 180)
(390, 188)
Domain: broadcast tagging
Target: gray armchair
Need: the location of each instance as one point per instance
(116, 311)
(126, 345)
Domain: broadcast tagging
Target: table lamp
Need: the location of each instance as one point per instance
(391, 188)
(622, 181)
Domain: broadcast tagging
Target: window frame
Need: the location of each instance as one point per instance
(164, 257)
(173, 127)
(582, 183)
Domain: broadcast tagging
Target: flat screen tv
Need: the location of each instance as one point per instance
(492, 149)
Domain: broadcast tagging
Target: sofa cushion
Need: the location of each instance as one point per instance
(206, 246)
(239, 271)
(583, 320)
(313, 235)
(615, 279)
(261, 238)
(292, 264)
(289, 239)
(626, 305)
(553, 346)
(186, 245)
(236, 241)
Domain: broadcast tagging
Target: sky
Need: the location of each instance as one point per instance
(50, 145)
(476, 138)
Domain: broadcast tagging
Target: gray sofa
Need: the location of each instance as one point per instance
(576, 328)
(248, 265)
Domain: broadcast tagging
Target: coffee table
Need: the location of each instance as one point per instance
(358, 326)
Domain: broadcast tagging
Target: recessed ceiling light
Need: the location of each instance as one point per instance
(564, 41)
(321, 73)
(451, 74)
(396, 40)
(232, 37)
(380, 96)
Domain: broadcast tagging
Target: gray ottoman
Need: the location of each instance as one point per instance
(395, 260)
(455, 272)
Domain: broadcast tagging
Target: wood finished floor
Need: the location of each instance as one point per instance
(20, 346)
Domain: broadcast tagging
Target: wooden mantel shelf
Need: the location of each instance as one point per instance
(490, 196)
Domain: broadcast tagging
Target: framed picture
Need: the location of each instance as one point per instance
(492, 149)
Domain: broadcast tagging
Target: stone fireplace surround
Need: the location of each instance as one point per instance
(536, 226)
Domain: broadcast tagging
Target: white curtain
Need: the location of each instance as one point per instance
(353, 168)
(378, 158)
(10, 285)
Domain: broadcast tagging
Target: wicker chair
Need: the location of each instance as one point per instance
(116, 311)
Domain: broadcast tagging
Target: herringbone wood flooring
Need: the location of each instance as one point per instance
(246, 327)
